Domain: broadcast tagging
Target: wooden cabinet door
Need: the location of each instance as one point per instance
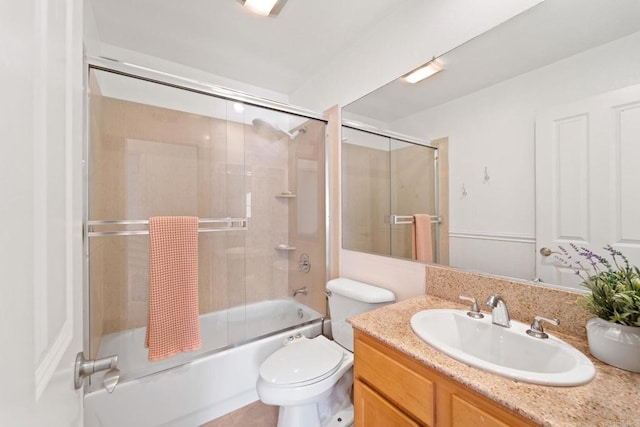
(397, 378)
(372, 410)
(465, 414)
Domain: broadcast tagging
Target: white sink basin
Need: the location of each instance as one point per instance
(509, 352)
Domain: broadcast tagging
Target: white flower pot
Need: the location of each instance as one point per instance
(614, 344)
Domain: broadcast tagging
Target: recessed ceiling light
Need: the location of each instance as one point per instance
(423, 72)
(264, 7)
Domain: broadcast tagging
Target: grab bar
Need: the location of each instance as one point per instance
(215, 224)
(408, 219)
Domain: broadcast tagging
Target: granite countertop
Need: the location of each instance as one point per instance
(611, 399)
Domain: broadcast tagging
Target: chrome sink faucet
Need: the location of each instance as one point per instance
(499, 313)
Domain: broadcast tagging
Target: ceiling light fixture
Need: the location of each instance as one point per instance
(421, 73)
(264, 7)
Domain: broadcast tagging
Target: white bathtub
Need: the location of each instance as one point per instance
(197, 390)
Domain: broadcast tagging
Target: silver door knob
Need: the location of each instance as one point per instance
(547, 252)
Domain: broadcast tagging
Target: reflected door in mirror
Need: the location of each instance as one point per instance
(587, 183)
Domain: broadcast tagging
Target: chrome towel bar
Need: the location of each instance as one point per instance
(408, 219)
(106, 228)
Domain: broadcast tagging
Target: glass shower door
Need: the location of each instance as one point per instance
(156, 150)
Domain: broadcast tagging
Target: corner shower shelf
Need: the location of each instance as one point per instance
(286, 195)
(283, 247)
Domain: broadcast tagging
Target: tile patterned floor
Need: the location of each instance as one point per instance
(256, 414)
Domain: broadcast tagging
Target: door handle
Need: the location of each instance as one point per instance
(84, 368)
(547, 252)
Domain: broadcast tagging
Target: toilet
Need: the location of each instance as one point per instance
(310, 379)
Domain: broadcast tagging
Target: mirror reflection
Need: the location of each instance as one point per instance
(541, 118)
(389, 196)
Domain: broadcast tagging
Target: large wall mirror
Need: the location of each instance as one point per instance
(542, 118)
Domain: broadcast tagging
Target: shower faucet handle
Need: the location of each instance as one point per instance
(304, 264)
(474, 311)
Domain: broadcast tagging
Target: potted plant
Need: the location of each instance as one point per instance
(614, 335)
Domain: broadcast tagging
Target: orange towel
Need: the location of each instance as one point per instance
(172, 319)
(421, 244)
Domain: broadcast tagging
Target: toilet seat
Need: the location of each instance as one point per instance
(302, 362)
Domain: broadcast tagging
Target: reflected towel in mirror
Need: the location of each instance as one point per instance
(421, 241)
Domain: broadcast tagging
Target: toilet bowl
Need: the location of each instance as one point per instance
(311, 379)
(301, 377)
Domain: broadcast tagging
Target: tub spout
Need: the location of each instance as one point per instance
(303, 291)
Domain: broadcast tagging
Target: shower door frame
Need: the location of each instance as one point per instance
(183, 83)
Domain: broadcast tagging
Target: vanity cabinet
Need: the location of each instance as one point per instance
(392, 389)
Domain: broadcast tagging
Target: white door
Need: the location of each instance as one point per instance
(587, 181)
(40, 211)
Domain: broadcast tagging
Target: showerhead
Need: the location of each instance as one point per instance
(272, 130)
(264, 126)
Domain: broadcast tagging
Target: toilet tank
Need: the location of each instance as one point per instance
(348, 298)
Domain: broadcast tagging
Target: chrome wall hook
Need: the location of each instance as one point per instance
(486, 176)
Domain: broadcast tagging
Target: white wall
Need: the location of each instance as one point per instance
(137, 58)
(416, 32)
(95, 48)
(405, 279)
(494, 127)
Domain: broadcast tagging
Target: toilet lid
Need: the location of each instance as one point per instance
(302, 361)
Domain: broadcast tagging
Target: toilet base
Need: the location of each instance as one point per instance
(343, 418)
(301, 415)
(307, 415)
(333, 410)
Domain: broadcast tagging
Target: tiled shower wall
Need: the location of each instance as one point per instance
(307, 219)
(149, 161)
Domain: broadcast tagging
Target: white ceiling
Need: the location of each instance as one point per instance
(223, 38)
(544, 34)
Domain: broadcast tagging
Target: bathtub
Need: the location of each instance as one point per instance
(189, 390)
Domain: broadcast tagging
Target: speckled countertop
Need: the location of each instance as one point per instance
(611, 399)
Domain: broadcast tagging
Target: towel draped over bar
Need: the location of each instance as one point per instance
(421, 240)
(172, 319)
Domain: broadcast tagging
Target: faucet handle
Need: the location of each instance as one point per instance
(474, 311)
(537, 331)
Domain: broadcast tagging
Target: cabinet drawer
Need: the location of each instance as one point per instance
(372, 410)
(396, 382)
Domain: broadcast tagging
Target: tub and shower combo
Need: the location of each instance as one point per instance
(253, 171)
